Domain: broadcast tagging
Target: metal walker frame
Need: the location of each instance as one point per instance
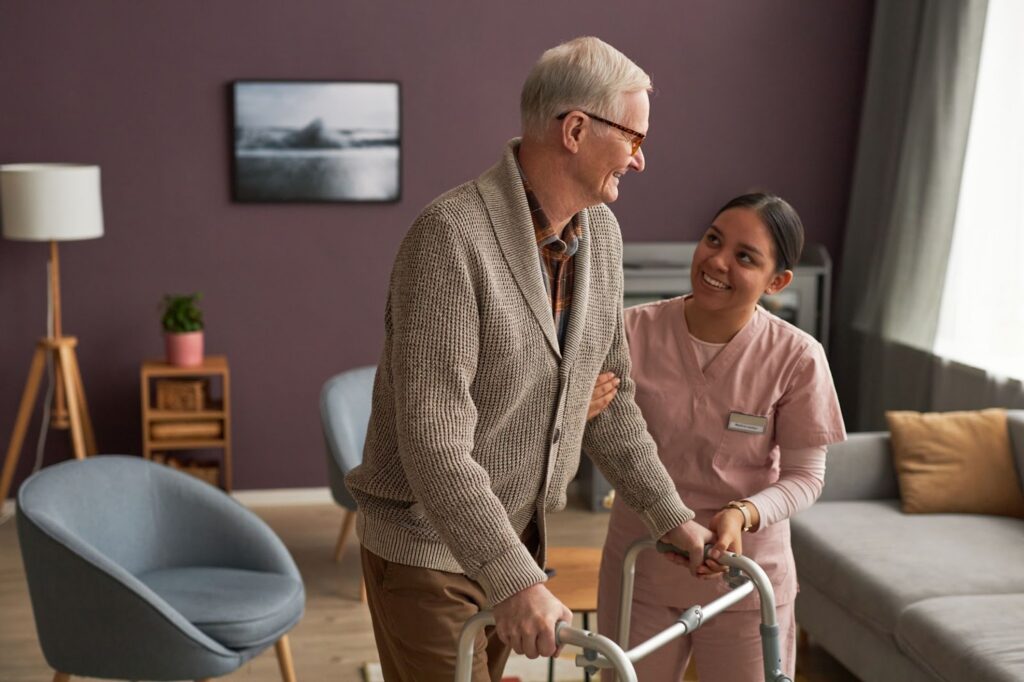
(744, 576)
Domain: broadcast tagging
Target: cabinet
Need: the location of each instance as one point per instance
(207, 428)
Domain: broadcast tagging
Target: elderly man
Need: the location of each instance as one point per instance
(505, 304)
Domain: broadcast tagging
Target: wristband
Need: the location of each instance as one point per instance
(742, 507)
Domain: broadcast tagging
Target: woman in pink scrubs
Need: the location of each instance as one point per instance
(742, 407)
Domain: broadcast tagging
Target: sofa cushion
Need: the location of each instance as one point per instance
(876, 561)
(966, 638)
(240, 609)
(955, 462)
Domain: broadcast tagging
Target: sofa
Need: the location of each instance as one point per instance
(909, 597)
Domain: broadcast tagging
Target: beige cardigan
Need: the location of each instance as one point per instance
(478, 417)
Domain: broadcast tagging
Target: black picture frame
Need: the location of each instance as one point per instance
(316, 141)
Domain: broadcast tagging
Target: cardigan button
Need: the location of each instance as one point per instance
(556, 436)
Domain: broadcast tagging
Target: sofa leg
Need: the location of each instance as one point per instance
(347, 524)
(61, 677)
(284, 659)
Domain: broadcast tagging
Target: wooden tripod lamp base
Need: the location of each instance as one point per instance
(51, 202)
(69, 385)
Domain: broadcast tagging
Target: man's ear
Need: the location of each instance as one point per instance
(573, 131)
(779, 282)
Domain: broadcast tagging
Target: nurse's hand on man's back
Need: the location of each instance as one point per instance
(691, 538)
(605, 388)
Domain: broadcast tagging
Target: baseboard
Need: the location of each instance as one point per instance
(283, 497)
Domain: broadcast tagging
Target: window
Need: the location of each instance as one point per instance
(981, 321)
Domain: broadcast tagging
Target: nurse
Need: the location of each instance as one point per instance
(742, 407)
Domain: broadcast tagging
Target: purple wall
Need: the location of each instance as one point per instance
(749, 94)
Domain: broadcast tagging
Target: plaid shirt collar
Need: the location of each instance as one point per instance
(555, 246)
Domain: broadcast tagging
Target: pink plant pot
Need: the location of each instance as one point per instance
(184, 350)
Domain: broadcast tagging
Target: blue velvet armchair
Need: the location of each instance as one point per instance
(136, 571)
(345, 414)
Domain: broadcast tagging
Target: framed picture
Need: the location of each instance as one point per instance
(317, 141)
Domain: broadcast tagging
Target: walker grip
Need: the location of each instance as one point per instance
(666, 548)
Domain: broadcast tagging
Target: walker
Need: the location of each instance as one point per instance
(743, 576)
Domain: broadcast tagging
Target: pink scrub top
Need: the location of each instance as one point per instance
(770, 369)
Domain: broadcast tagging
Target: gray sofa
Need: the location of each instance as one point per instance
(909, 597)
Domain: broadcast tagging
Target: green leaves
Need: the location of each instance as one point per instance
(181, 313)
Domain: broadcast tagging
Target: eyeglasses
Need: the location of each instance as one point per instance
(637, 138)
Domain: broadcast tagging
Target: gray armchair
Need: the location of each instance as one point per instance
(136, 571)
(345, 415)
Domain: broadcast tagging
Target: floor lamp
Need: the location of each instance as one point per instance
(52, 202)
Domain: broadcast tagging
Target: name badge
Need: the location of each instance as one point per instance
(747, 423)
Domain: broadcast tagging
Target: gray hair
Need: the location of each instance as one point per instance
(586, 74)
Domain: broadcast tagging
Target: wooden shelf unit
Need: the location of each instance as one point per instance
(214, 368)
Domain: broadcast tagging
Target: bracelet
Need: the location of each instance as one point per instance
(742, 507)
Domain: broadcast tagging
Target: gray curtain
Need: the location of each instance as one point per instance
(918, 100)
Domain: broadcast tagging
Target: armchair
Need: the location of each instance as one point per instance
(345, 414)
(136, 571)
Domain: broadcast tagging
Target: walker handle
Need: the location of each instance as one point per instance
(666, 548)
(564, 634)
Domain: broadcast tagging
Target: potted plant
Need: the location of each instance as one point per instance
(183, 329)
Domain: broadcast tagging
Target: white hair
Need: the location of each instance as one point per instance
(584, 74)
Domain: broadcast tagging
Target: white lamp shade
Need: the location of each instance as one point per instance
(51, 201)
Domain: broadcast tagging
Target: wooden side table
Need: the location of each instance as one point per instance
(214, 367)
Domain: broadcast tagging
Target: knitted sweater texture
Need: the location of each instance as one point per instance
(478, 417)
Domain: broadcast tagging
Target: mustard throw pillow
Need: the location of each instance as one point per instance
(955, 462)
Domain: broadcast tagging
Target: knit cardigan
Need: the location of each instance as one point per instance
(478, 417)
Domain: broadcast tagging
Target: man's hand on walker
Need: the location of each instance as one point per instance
(691, 538)
(605, 388)
(526, 621)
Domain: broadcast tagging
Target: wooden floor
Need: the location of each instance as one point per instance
(334, 639)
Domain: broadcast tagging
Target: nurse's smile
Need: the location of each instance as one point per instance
(714, 282)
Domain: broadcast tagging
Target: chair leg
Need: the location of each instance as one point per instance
(61, 677)
(284, 659)
(347, 524)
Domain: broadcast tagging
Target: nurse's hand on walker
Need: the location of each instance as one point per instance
(727, 525)
(526, 621)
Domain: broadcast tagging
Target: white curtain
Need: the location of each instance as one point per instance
(914, 125)
(981, 323)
